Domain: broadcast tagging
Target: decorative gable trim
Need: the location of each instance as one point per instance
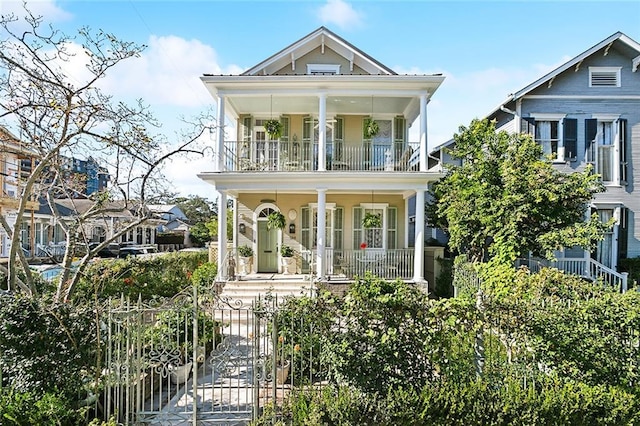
(322, 38)
(575, 61)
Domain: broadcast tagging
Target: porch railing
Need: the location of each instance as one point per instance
(587, 268)
(251, 156)
(387, 264)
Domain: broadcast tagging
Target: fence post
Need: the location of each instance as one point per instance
(194, 355)
(478, 346)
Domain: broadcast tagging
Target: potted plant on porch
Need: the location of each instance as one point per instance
(245, 259)
(288, 260)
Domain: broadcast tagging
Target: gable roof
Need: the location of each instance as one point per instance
(322, 37)
(618, 37)
(576, 61)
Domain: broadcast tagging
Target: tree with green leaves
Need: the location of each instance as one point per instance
(506, 200)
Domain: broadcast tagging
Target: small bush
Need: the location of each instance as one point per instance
(46, 348)
(507, 402)
(31, 408)
(160, 276)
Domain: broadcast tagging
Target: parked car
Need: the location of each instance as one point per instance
(136, 251)
(111, 250)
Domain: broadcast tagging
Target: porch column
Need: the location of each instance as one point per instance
(322, 230)
(322, 132)
(418, 255)
(219, 163)
(423, 135)
(222, 234)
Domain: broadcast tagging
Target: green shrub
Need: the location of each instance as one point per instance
(46, 348)
(205, 275)
(31, 408)
(160, 276)
(384, 336)
(508, 402)
(304, 329)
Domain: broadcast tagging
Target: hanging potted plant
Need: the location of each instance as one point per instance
(275, 220)
(370, 128)
(371, 220)
(273, 128)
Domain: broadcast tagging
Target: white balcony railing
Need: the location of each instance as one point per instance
(252, 156)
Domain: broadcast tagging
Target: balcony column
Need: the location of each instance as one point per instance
(322, 231)
(322, 132)
(222, 234)
(423, 133)
(418, 255)
(219, 160)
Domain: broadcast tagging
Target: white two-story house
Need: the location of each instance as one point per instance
(342, 154)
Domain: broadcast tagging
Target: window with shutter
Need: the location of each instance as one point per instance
(384, 237)
(548, 132)
(605, 141)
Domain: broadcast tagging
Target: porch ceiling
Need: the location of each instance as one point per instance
(300, 182)
(346, 94)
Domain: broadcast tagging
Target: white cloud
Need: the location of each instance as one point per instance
(167, 73)
(46, 8)
(340, 13)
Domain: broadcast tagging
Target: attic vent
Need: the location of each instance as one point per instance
(604, 77)
(323, 69)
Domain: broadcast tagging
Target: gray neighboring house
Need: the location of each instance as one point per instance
(587, 111)
(173, 220)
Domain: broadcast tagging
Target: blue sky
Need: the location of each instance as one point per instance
(485, 49)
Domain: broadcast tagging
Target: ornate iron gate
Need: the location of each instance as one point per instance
(193, 359)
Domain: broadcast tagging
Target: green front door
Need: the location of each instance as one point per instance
(267, 248)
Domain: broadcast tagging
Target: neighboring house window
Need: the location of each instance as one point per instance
(604, 248)
(555, 133)
(605, 142)
(548, 135)
(384, 237)
(321, 69)
(604, 77)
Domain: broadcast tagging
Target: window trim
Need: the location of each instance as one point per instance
(615, 70)
(559, 118)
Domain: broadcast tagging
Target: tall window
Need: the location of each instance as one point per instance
(556, 134)
(548, 135)
(383, 237)
(604, 249)
(605, 140)
(333, 226)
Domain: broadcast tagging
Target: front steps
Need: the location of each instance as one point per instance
(246, 290)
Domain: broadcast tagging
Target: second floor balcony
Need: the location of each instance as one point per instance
(292, 156)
